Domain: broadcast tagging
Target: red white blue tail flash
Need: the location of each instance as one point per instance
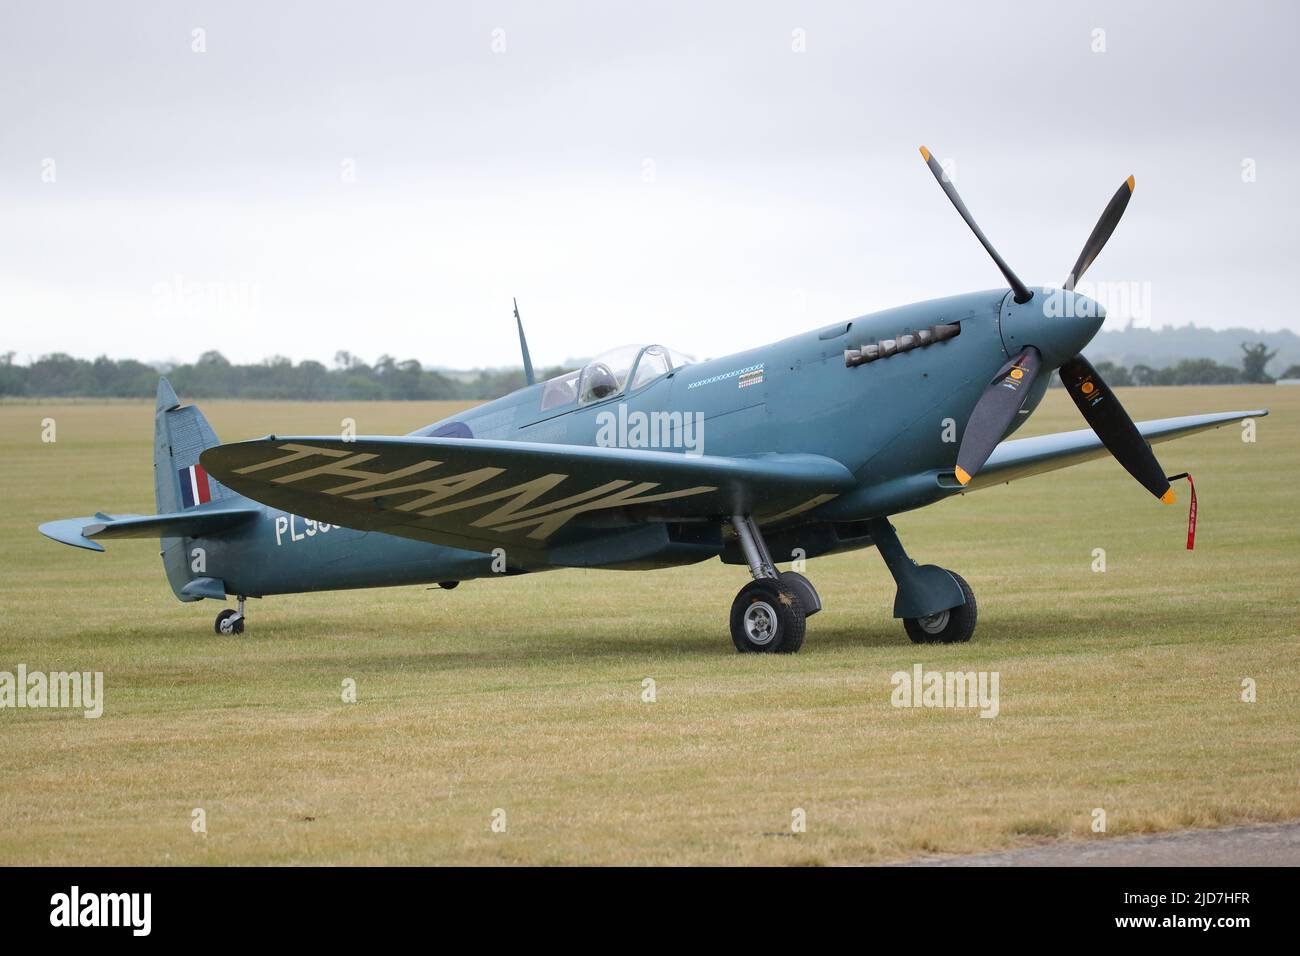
(195, 488)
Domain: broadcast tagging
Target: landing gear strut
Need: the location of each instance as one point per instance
(230, 621)
(768, 615)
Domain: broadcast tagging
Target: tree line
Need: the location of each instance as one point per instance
(214, 376)
(1200, 371)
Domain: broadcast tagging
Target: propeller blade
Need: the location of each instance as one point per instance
(1114, 427)
(1101, 232)
(995, 411)
(1022, 292)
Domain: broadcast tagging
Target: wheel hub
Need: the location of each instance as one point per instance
(760, 622)
(934, 623)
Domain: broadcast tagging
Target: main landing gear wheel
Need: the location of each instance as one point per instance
(953, 626)
(767, 617)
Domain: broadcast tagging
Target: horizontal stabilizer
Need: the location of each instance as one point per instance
(81, 532)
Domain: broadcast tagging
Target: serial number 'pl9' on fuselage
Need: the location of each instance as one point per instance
(645, 459)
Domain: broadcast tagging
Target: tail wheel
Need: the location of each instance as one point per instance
(767, 617)
(229, 622)
(952, 626)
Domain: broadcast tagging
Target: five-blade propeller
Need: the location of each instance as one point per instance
(1005, 396)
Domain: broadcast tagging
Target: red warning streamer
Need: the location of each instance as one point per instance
(1191, 510)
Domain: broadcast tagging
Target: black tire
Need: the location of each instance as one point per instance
(956, 628)
(236, 628)
(767, 618)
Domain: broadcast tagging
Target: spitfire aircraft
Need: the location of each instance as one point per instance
(645, 459)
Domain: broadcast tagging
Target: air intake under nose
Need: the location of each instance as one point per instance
(905, 342)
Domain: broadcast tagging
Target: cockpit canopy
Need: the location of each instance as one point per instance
(623, 369)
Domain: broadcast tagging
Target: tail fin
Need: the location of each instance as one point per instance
(180, 435)
(180, 487)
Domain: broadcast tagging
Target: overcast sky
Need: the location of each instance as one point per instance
(383, 177)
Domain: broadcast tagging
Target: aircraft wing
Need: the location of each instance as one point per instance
(529, 498)
(1021, 457)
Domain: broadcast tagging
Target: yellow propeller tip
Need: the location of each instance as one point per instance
(925, 153)
(1169, 497)
(962, 476)
(1131, 184)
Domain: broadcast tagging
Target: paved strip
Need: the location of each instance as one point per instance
(1268, 845)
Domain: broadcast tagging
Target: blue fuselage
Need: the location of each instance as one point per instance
(892, 422)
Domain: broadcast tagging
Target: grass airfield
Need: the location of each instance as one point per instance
(1119, 690)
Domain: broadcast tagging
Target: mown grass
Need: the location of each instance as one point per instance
(1119, 690)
